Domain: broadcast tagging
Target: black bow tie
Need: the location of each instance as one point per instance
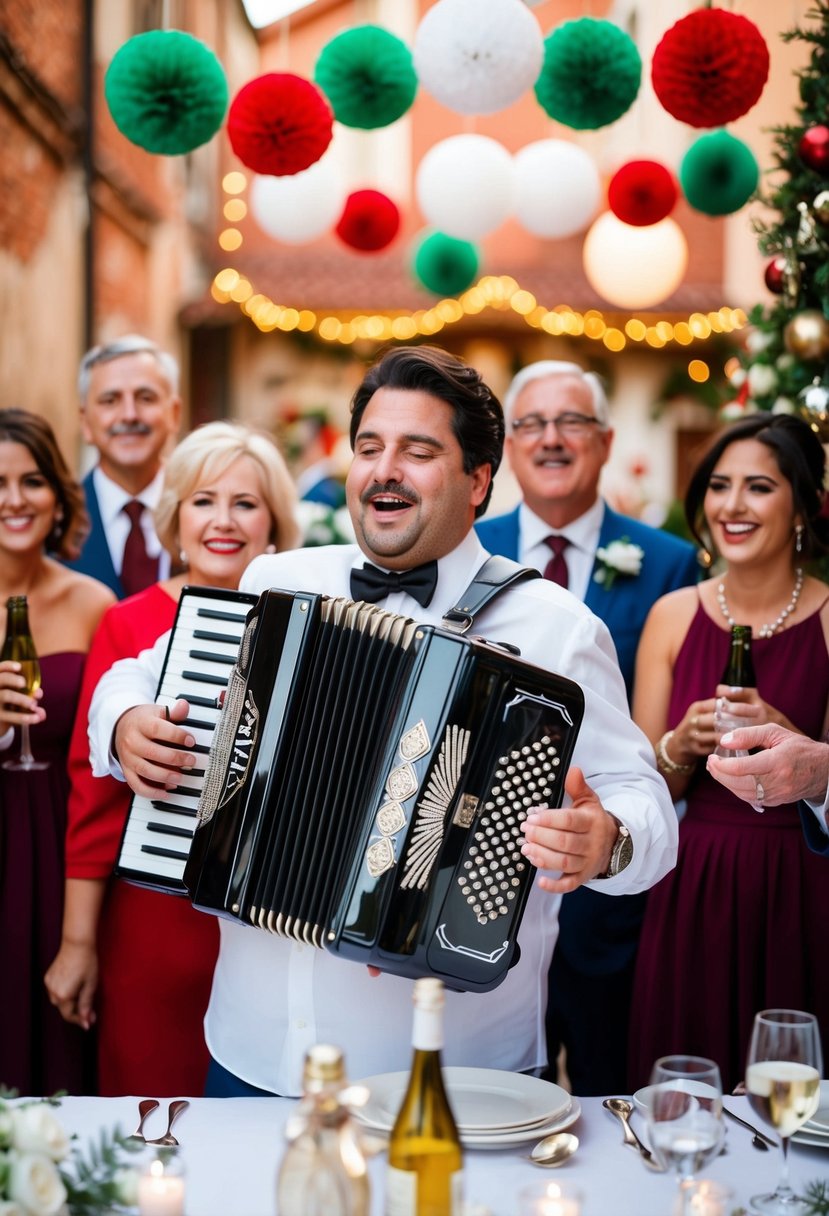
(371, 584)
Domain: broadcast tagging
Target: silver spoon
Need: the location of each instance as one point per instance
(145, 1108)
(172, 1114)
(554, 1150)
(623, 1109)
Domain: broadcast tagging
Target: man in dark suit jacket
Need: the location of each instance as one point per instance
(130, 411)
(559, 439)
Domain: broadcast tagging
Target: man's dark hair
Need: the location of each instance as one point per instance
(800, 458)
(477, 416)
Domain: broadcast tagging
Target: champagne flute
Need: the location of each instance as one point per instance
(783, 1086)
(685, 1118)
(23, 652)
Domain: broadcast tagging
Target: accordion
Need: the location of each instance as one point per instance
(366, 784)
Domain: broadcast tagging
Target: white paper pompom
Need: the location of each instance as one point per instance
(302, 207)
(464, 186)
(557, 188)
(478, 56)
(634, 267)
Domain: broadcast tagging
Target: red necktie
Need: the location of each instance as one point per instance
(556, 568)
(138, 569)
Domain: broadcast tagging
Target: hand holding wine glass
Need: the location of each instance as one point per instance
(19, 649)
(783, 1085)
(685, 1117)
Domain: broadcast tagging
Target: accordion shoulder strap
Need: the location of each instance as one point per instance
(494, 576)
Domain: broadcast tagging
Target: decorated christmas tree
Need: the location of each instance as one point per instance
(784, 367)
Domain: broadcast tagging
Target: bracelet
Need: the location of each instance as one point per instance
(664, 761)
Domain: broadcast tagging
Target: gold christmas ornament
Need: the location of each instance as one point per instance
(807, 335)
(813, 405)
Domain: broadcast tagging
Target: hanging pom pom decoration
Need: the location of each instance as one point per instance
(444, 265)
(591, 74)
(634, 267)
(718, 173)
(710, 67)
(370, 221)
(368, 76)
(279, 124)
(642, 192)
(557, 188)
(464, 186)
(813, 149)
(478, 56)
(299, 207)
(166, 92)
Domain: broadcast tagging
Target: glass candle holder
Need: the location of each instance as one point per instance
(704, 1197)
(161, 1186)
(550, 1199)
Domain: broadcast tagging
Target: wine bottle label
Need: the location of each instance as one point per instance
(402, 1198)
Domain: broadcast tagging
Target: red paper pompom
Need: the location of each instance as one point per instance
(642, 192)
(279, 124)
(710, 68)
(369, 222)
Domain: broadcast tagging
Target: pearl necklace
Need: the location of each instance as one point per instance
(766, 631)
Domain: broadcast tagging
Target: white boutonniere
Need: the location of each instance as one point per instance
(619, 557)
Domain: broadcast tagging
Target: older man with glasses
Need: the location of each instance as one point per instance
(558, 440)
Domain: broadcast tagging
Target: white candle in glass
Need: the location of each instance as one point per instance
(552, 1200)
(160, 1193)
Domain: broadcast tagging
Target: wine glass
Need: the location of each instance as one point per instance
(685, 1116)
(783, 1086)
(30, 671)
(723, 722)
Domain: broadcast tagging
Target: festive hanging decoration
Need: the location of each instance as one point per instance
(710, 67)
(642, 192)
(301, 207)
(591, 73)
(634, 267)
(368, 76)
(813, 148)
(166, 92)
(444, 265)
(806, 336)
(478, 56)
(279, 124)
(820, 207)
(718, 173)
(370, 221)
(774, 275)
(813, 407)
(464, 186)
(557, 188)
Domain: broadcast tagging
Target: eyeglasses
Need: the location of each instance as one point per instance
(572, 426)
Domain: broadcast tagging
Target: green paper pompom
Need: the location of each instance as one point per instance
(718, 173)
(367, 75)
(166, 91)
(445, 265)
(591, 73)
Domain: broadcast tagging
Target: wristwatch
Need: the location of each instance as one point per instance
(622, 852)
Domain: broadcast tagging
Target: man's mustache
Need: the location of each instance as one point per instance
(397, 488)
(129, 428)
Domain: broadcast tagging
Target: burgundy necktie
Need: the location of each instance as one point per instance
(556, 568)
(138, 569)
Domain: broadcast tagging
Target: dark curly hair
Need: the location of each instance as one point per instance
(478, 419)
(36, 435)
(799, 456)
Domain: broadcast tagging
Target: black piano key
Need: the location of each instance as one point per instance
(156, 851)
(167, 829)
(205, 635)
(204, 677)
(175, 808)
(198, 724)
(216, 614)
(208, 656)
(207, 702)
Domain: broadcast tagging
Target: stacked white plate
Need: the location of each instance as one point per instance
(815, 1131)
(492, 1109)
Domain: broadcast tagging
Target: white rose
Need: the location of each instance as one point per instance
(625, 558)
(126, 1187)
(738, 377)
(36, 1130)
(784, 405)
(6, 1128)
(762, 379)
(10, 1209)
(308, 514)
(35, 1184)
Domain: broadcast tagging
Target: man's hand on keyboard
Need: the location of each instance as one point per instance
(147, 741)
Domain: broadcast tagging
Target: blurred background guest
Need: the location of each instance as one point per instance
(130, 412)
(740, 924)
(41, 513)
(558, 441)
(141, 961)
(310, 442)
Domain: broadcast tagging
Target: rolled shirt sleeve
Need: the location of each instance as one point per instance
(128, 683)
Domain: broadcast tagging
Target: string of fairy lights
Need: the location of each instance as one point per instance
(498, 292)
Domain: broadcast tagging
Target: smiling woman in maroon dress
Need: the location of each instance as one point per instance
(138, 962)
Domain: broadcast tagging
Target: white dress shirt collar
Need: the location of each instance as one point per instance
(583, 534)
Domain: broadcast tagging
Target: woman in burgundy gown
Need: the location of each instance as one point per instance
(41, 512)
(740, 924)
(139, 963)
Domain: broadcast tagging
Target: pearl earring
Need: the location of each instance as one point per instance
(798, 539)
(270, 548)
(182, 557)
(704, 558)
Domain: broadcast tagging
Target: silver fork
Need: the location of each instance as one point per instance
(173, 1113)
(145, 1108)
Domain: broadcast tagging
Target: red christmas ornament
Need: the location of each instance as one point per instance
(370, 221)
(775, 275)
(279, 124)
(642, 192)
(813, 149)
(710, 67)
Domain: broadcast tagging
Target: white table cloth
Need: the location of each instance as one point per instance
(232, 1148)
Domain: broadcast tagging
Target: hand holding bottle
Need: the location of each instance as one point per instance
(21, 671)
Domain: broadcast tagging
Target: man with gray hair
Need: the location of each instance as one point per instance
(130, 411)
(558, 440)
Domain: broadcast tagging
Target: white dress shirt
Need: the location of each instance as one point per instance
(272, 998)
(112, 499)
(580, 554)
